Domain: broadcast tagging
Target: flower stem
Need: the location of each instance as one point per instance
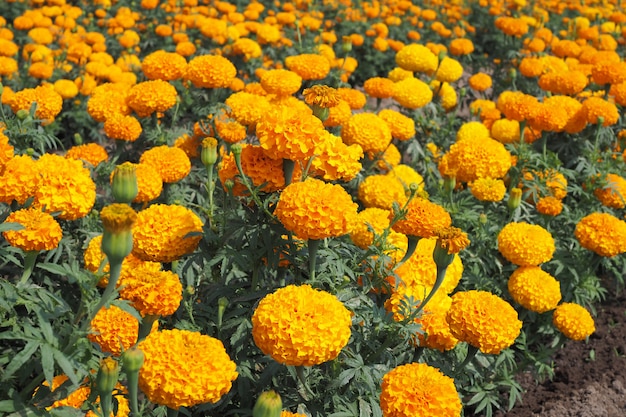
(288, 167)
(29, 264)
(146, 326)
(314, 245)
(304, 389)
(115, 268)
(411, 246)
(441, 274)
(132, 379)
(471, 353)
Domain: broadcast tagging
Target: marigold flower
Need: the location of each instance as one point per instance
(506, 131)
(449, 70)
(419, 389)
(471, 131)
(230, 131)
(120, 127)
(602, 233)
(451, 239)
(210, 71)
(335, 160)
(399, 74)
(161, 233)
(170, 353)
(308, 66)
(172, 164)
(65, 88)
(566, 82)
(248, 109)
(49, 102)
(483, 320)
(423, 218)
(162, 65)
(41, 231)
(156, 293)
(534, 289)
(380, 191)
(417, 58)
(516, 105)
(114, 330)
(367, 130)
(249, 48)
(322, 96)
(370, 222)
(614, 193)
(525, 244)
(338, 115)
(281, 82)
(402, 127)
(480, 81)
(91, 153)
(412, 93)
(549, 206)
(389, 159)
(301, 326)
(461, 46)
(19, 178)
(77, 398)
(595, 108)
(379, 87)
(477, 158)
(574, 321)
(151, 96)
(354, 98)
(65, 185)
(286, 132)
(106, 101)
(314, 209)
(488, 189)
(407, 176)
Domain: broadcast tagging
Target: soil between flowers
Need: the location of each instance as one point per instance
(590, 377)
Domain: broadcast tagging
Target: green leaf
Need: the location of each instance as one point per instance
(65, 365)
(7, 406)
(20, 359)
(66, 412)
(54, 268)
(10, 226)
(47, 362)
(27, 412)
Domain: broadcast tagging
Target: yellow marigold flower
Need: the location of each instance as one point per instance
(247, 47)
(613, 194)
(419, 389)
(371, 221)
(574, 321)
(161, 233)
(399, 74)
(301, 326)
(41, 231)
(471, 131)
(120, 127)
(338, 115)
(554, 182)
(412, 93)
(488, 189)
(402, 127)
(379, 191)
(549, 206)
(65, 88)
(210, 71)
(8, 66)
(65, 185)
(285, 132)
(421, 269)
(172, 164)
(149, 183)
(449, 70)
(335, 160)
(91, 153)
(170, 353)
(114, 330)
(322, 96)
(379, 87)
(151, 96)
(230, 131)
(407, 176)
(506, 131)
(156, 293)
(354, 98)
(534, 289)
(417, 58)
(483, 320)
(308, 66)
(19, 178)
(423, 218)
(290, 414)
(247, 108)
(281, 82)
(40, 70)
(162, 65)
(480, 81)
(389, 159)
(595, 108)
(369, 131)
(118, 217)
(49, 102)
(478, 158)
(314, 209)
(105, 102)
(525, 244)
(602, 233)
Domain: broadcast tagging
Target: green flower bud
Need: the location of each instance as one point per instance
(78, 139)
(515, 199)
(124, 185)
(108, 374)
(132, 360)
(22, 114)
(268, 404)
(117, 239)
(209, 151)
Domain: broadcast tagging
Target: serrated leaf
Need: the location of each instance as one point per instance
(27, 412)
(65, 365)
(66, 412)
(20, 359)
(364, 408)
(11, 226)
(47, 362)
(54, 268)
(345, 377)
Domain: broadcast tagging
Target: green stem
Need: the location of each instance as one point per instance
(115, 268)
(314, 245)
(471, 354)
(105, 403)
(305, 390)
(171, 412)
(132, 379)
(211, 189)
(412, 242)
(29, 264)
(288, 167)
(146, 326)
(251, 190)
(441, 274)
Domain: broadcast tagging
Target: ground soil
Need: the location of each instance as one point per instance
(590, 377)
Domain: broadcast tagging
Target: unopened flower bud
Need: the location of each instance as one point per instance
(124, 185)
(132, 360)
(22, 114)
(209, 151)
(268, 404)
(78, 139)
(346, 44)
(107, 375)
(515, 199)
(117, 239)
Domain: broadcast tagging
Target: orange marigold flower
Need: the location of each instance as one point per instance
(461, 46)
(247, 108)
(512, 26)
(370, 222)
(172, 164)
(389, 159)
(335, 160)
(602, 233)
(488, 189)
(230, 131)
(534, 289)
(422, 219)
(151, 96)
(162, 65)
(49, 102)
(301, 326)
(613, 194)
(120, 127)
(419, 389)
(169, 353)
(412, 93)
(41, 231)
(322, 96)
(308, 66)
(477, 158)
(338, 115)
(165, 233)
(210, 71)
(380, 191)
(379, 87)
(106, 101)
(472, 131)
(417, 58)
(480, 81)
(156, 293)
(114, 330)
(353, 97)
(595, 108)
(19, 178)
(285, 132)
(525, 244)
(566, 82)
(402, 127)
(407, 176)
(574, 321)
(516, 105)
(367, 130)
(281, 82)
(247, 47)
(77, 398)
(506, 131)
(549, 206)
(314, 209)
(91, 153)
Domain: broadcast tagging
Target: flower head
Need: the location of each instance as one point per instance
(210, 71)
(525, 244)
(483, 320)
(308, 66)
(41, 231)
(452, 239)
(534, 289)
(417, 58)
(151, 96)
(402, 127)
(423, 218)
(322, 96)
(418, 389)
(162, 65)
(367, 130)
(298, 325)
(412, 93)
(114, 330)
(381, 191)
(281, 82)
(171, 353)
(19, 179)
(602, 233)
(172, 164)
(157, 293)
(614, 193)
(91, 153)
(488, 189)
(574, 321)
